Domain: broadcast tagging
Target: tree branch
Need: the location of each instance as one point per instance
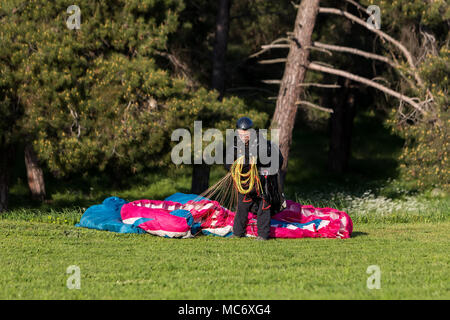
(319, 49)
(357, 5)
(314, 106)
(383, 35)
(180, 67)
(351, 76)
(272, 61)
(276, 46)
(271, 81)
(269, 46)
(368, 55)
(355, 51)
(320, 85)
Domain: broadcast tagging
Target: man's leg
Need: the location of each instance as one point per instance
(263, 220)
(241, 217)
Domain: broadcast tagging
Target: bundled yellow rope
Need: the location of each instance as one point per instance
(225, 191)
(245, 179)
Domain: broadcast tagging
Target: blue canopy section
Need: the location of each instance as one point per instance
(106, 216)
(183, 197)
(284, 224)
(195, 226)
(184, 214)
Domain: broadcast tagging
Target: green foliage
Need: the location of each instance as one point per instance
(96, 97)
(103, 97)
(425, 157)
(424, 160)
(427, 13)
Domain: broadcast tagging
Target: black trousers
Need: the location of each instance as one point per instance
(245, 202)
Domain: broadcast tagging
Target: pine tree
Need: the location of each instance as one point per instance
(97, 97)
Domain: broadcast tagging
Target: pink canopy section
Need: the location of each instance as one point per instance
(330, 223)
(184, 220)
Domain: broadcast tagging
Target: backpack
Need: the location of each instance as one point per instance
(273, 193)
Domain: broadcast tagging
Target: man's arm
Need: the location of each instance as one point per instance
(272, 167)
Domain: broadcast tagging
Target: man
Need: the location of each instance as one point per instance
(258, 185)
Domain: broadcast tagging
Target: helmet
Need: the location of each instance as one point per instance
(244, 123)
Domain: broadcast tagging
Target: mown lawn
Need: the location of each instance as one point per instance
(401, 230)
(34, 256)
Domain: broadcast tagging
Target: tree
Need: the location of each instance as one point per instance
(422, 108)
(423, 28)
(200, 172)
(347, 98)
(294, 74)
(35, 174)
(220, 47)
(6, 163)
(97, 97)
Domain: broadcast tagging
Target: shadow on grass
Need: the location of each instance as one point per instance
(359, 234)
(93, 188)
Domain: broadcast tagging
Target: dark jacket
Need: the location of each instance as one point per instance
(269, 177)
(261, 166)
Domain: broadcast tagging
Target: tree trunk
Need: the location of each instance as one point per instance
(220, 47)
(34, 174)
(200, 172)
(200, 178)
(341, 124)
(294, 74)
(4, 189)
(6, 164)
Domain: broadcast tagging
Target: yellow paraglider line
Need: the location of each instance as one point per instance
(225, 191)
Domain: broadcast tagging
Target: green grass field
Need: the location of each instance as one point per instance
(413, 259)
(404, 232)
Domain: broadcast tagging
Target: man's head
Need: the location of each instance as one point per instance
(244, 135)
(242, 126)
